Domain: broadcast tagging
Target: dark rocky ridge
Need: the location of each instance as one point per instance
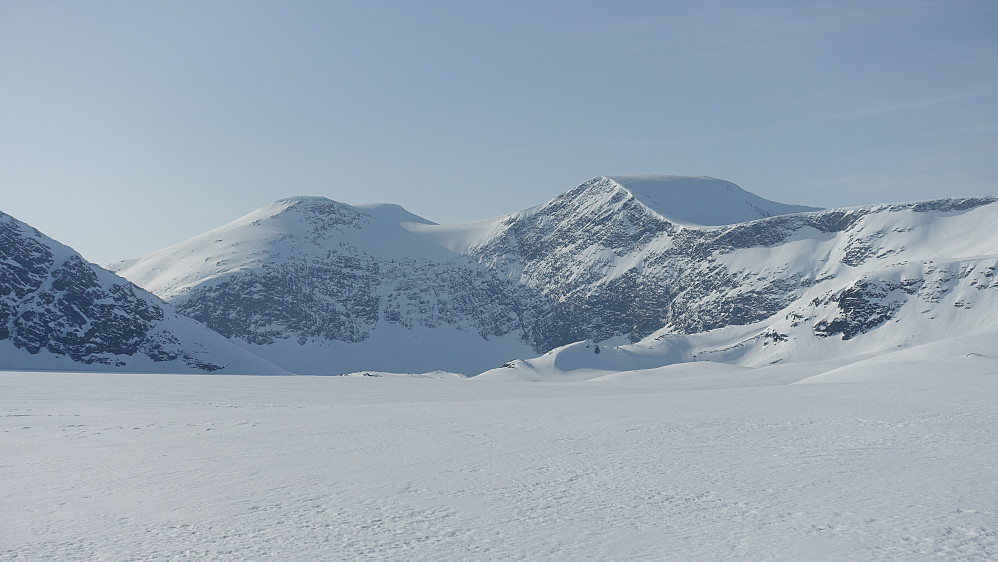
(52, 300)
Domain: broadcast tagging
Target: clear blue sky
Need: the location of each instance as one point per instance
(128, 126)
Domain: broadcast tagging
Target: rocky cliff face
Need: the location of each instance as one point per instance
(343, 299)
(59, 311)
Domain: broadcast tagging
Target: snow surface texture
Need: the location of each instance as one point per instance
(652, 262)
(58, 311)
(889, 459)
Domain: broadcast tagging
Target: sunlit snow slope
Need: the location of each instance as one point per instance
(58, 311)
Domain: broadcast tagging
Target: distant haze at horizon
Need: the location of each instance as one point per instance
(125, 128)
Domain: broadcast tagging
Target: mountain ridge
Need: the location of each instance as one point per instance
(595, 263)
(889, 277)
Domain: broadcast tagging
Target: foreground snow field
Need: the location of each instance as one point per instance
(890, 460)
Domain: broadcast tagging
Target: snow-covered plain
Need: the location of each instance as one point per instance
(890, 458)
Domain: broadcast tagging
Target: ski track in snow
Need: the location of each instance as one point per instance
(152, 467)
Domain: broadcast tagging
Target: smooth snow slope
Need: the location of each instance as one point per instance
(704, 201)
(691, 462)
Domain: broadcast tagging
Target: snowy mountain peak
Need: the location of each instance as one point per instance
(290, 229)
(301, 203)
(313, 214)
(317, 206)
(701, 200)
(305, 200)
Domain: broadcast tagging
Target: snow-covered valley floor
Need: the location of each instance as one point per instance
(741, 466)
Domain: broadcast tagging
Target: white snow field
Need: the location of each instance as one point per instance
(887, 458)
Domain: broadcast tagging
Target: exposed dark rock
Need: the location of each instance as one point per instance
(865, 305)
(62, 305)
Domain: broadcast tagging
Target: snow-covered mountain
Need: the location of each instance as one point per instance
(677, 268)
(58, 311)
(319, 286)
(811, 287)
(609, 251)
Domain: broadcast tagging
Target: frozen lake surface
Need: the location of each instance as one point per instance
(897, 462)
